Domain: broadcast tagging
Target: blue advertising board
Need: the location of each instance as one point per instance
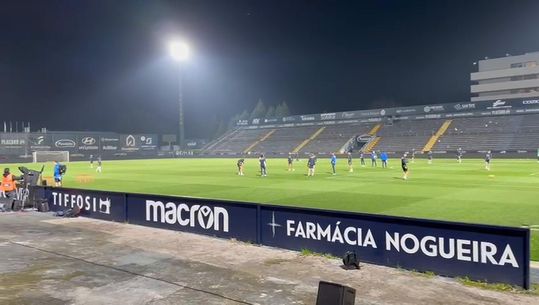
(480, 252)
(494, 254)
(202, 216)
(93, 204)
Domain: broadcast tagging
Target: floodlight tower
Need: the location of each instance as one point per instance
(179, 51)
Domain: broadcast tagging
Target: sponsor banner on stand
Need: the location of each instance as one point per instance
(88, 143)
(530, 102)
(433, 108)
(500, 104)
(495, 254)
(493, 107)
(148, 141)
(39, 141)
(138, 142)
(93, 204)
(406, 111)
(13, 143)
(129, 143)
(65, 141)
(110, 143)
(464, 106)
(328, 116)
(308, 117)
(208, 217)
(290, 119)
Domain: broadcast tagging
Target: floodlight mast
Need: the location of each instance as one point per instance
(179, 51)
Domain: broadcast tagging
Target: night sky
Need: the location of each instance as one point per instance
(103, 65)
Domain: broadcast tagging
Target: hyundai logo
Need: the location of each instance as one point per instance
(88, 141)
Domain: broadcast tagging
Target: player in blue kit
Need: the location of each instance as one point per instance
(384, 158)
(333, 162)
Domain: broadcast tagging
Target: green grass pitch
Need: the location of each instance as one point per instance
(507, 195)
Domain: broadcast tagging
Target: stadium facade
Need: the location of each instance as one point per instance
(506, 78)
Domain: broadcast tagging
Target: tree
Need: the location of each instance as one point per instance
(259, 111)
(234, 120)
(244, 115)
(270, 113)
(221, 129)
(282, 110)
(286, 111)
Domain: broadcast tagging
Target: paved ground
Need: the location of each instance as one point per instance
(46, 260)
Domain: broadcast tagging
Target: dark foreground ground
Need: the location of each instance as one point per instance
(46, 260)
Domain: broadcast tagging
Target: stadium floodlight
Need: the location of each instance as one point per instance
(179, 50)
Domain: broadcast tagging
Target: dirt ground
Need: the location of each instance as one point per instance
(47, 260)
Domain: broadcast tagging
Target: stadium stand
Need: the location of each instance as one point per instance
(473, 134)
(334, 137)
(236, 141)
(500, 133)
(284, 140)
(406, 135)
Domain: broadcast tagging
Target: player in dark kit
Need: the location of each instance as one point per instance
(459, 155)
(262, 161)
(429, 157)
(311, 164)
(240, 164)
(488, 157)
(99, 168)
(290, 163)
(404, 165)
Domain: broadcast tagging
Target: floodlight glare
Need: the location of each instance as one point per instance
(179, 51)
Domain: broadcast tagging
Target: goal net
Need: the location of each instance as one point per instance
(49, 156)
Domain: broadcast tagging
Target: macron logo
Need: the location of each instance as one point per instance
(215, 218)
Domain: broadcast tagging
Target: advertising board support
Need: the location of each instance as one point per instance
(480, 252)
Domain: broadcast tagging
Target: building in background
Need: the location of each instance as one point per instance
(506, 78)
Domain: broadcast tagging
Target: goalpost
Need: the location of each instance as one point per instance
(49, 156)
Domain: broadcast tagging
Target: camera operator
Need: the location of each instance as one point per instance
(9, 184)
